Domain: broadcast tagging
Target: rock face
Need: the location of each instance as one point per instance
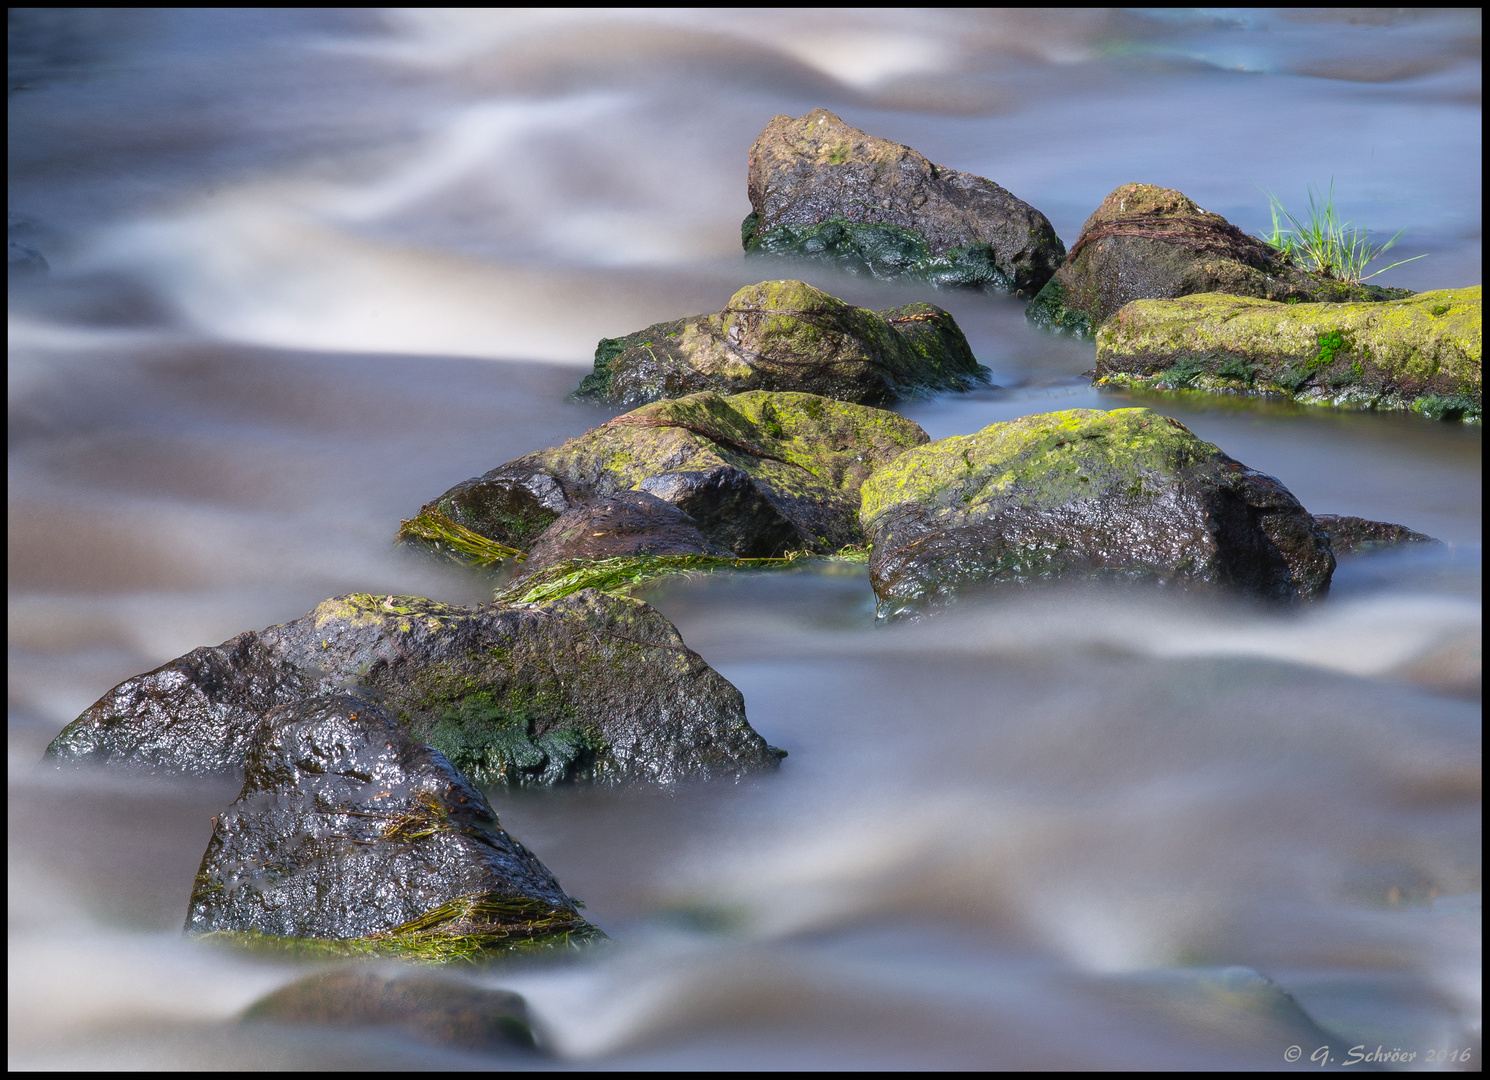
(1422, 353)
(822, 190)
(1128, 495)
(1152, 243)
(759, 473)
(786, 335)
(626, 523)
(588, 687)
(1358, 536)
(435, 1010)
(349, 830)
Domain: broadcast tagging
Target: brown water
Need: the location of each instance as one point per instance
(308, 270)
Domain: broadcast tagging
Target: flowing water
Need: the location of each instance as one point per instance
(307, 270)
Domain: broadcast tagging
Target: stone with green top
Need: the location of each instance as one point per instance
(787, 335)
(588, 687)
(1153, 243)
(822, 190)
(1124, 495)
(759, 473)
(1421, 353)
(351, 838)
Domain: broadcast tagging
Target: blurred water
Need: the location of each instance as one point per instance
(311, 268)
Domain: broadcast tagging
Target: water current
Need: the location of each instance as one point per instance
(307, 270)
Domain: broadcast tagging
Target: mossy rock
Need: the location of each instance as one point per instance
(787, 335)
(1125, 495)
(1151, 243)
(351, 834)
(1419, 353)
(822, 190)
(441, 1011)
(759, 473)
(589, 687)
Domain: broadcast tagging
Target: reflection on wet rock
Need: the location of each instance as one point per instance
(1127, 494)
(588, 687)
(787, 335)
(822, 190)
(350, 838)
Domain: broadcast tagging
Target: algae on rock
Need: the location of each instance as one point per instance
(1422, 353)
(351, 838)
(822, 190)
(787, 335)
(586, 687)
(1152, 243)
(1127, 495)
(759, 473)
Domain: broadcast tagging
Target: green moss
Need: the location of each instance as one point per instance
(620, 575)
(467, 929)
(433, 530)
(879, 250)
(497, 741)
(1456, 407)
(1048, 311)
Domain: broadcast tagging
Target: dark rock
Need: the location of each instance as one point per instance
(588, 687)
(822, 190)
(1357, 536)
(1127, 494)
(786, 335)
(626, 523)
(442, 1011)
(1152, 243)
(759, 473)
(348, 830)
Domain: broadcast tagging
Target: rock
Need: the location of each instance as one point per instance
(1422, 353)
(1152, 243)
(1357, 536)
(1128, 495)
(348, 831)
(442, 1011)
(786, 335)
(626, 523)
(822, 190)
(760, 473)
(587, 687)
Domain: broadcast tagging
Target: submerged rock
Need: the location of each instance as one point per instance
(822, 190)
(786, 335)
(626, 523)
(759, 473)
(442, 1011)
(1127, 495)
(1146, 243)
(1358, 536)
(587, 687)
(351, 833)
(1422, 353)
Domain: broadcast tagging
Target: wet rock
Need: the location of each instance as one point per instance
(442, 1011)
(587, 687)
(1127, 495)
(351, 833)
(760, 473)
(1422, 353)
(626, 523)
(1147, 243)
(786, 335)
(822, 190)
(1357, 536)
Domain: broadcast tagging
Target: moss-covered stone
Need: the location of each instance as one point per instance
(587, 687)
(1151, 243)
(759, 473)
(820, 189)
(1127, 494)
(351, 833)
(787, 335)
(1391, 354)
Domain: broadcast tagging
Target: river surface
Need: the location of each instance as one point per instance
(308, 270)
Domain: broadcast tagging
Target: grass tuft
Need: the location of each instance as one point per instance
(1324, 244)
